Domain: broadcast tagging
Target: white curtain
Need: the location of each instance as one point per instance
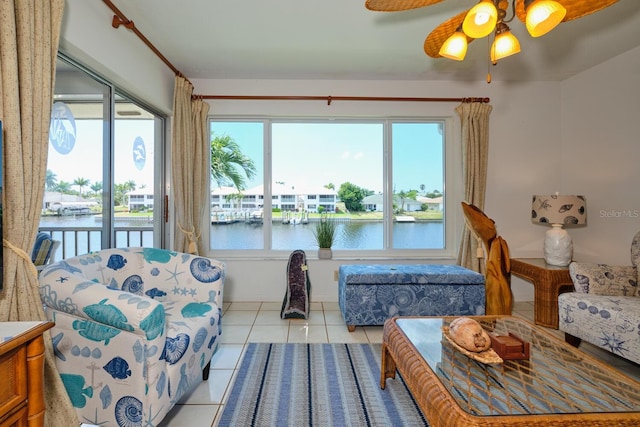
(29, 34)
(190, 147)
(474, 118)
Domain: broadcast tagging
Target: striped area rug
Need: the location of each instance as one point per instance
(317, 385)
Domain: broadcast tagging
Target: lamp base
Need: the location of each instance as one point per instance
(558, 247)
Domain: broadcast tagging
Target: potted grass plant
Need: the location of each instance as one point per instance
(325, 234)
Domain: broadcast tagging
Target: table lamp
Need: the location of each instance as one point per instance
(556, 211)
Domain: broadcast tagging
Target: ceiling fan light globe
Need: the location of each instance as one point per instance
(455, 47)
(505, 44)
(543, 16)
(480, 20)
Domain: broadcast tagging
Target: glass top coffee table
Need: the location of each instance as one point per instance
(558, 385)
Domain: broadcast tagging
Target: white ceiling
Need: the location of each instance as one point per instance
(341, 39)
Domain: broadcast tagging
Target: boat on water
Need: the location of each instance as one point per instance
(300, 218)
(255, 217)
(221, 218)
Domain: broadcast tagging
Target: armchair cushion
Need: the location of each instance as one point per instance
(134, 330)
(603, 279)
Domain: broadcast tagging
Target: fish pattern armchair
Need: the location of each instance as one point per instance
(135, 330)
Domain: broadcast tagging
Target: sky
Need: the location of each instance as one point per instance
(84, 160)
(305, 155)
(315, 154)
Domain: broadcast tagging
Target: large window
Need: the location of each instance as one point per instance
(104, 167)
(382, 182)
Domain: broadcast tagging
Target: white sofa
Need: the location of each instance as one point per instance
(135, 330)
(604, 309)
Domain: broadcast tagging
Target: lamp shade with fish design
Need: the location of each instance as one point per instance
(557, 211)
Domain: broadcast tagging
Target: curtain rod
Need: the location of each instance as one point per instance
(329, 99)
(120, 19)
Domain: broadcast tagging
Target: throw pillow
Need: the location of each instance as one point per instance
(603, 279)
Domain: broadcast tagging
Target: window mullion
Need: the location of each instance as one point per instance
(387, 169)
(267, 180)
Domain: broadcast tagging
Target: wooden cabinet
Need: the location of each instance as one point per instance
(21, 373)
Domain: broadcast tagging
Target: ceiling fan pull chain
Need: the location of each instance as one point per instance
(489, 62)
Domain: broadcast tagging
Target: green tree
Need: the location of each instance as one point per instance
(96, 187)
(433, 194)
(234, 199)
(81, 183)
(118, 194)
(352, 196)
(63, 187)
(51, 180)
(403, 197)
(422, 187)
(130, 185)
(228, 163)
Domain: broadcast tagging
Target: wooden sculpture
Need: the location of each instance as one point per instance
(499, 299)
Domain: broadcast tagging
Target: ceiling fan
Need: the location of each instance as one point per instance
(450, 38)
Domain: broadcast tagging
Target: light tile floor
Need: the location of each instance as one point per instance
(260, 322)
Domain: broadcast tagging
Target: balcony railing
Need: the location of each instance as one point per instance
(82, 240)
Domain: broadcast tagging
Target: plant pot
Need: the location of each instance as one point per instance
(324, 253)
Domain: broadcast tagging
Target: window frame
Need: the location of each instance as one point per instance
(453, 190)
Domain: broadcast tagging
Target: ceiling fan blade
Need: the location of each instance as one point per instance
(397, 5)
(441, 33)
(575, 8)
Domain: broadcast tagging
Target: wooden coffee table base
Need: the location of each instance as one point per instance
(440, 408)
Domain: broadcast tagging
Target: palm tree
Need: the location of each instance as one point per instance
(228, 162)
(51, 180)
(130, 185)
(119, 191)
(403, 196)
(63, 187)
(96, 187)
(81, 183)
(126, 188)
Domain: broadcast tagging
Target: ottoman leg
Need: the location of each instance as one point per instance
(351, 328)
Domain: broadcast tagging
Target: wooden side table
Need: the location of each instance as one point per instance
(22, 373)
(548, 282)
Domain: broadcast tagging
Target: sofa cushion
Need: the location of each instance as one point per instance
(603, 279)
(607, 322)
(635, 250)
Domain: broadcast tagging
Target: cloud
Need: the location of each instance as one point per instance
(358, 155)
(345, 155)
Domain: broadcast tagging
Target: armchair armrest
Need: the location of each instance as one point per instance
(604, 279)
(74, 295)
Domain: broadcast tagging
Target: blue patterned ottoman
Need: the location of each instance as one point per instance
(371, 294)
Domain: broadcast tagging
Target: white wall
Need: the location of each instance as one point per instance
(578, 136)
(117, 54)
(601, 155)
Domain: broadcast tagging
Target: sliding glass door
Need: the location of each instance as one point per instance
(104, 167)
